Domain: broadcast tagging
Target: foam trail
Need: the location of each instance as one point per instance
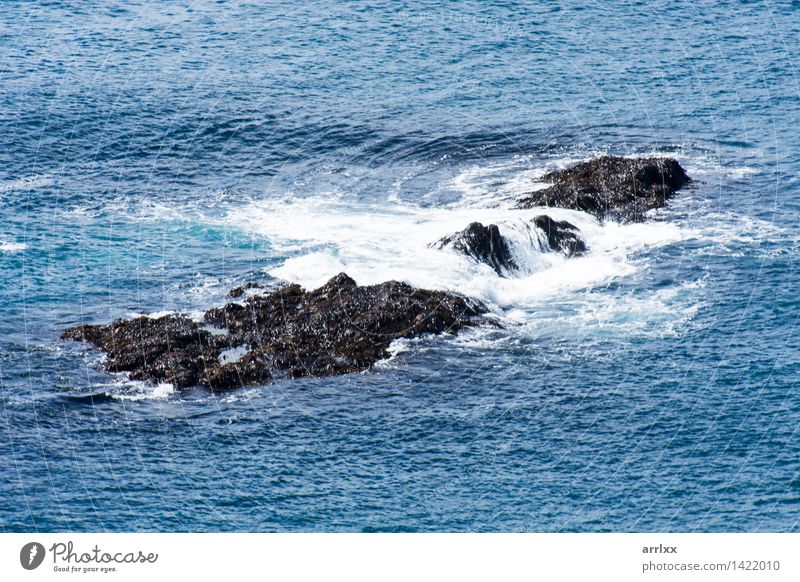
(136, 391)
(27, 183)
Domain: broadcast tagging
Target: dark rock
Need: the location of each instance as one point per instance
(239, 291)
(482, 243)
(85, 333)
(611, 187)
(250, 369)
(171, 348)
(336, 329)
(562, 236)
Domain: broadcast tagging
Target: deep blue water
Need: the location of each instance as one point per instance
(153, 156)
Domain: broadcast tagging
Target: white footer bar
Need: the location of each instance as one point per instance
(407, 557)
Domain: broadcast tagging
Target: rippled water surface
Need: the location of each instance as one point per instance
(154, 156)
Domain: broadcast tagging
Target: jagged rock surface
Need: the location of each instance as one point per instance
(336, 329)
(562, 236)
(611, 187)
(482, 243)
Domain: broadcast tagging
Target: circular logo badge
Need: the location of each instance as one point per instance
(31, 555)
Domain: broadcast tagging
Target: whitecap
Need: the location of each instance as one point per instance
(10, 247)
(137, 391)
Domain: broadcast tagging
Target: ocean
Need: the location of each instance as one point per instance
(155, 155)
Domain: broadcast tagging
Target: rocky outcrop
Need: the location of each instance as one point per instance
(337, 329)
(562, 236)
(611, 187)
(343, 327)
(482, 243)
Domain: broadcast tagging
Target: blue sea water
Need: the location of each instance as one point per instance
(154, 155)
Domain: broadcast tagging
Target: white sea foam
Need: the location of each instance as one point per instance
(376, 244)
(396, 348)
(661, 312)
(10, 247)
(716, 169)
(143, 391)
(232, 355)
(135, 390)
(328, 234)
(493, 184)
(26, 183)
(153, 315)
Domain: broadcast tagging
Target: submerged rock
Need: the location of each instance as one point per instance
(562, 236)
(336, 329)
(486, 245)
(239, 291)
(611, 187)
(482, 243)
